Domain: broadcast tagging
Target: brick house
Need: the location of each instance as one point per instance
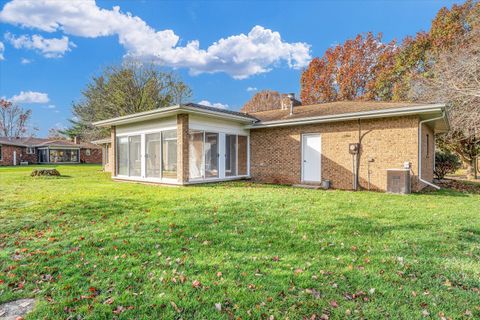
(15, 151)
(350, 144)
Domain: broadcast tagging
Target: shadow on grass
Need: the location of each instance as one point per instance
(130, 241)
(53, 177)
(371, 227)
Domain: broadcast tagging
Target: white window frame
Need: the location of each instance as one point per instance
(143, 176)
(222, 157)
(30, 150)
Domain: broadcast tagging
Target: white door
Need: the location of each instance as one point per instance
(311, 158)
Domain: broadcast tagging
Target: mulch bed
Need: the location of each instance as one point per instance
(459, 185)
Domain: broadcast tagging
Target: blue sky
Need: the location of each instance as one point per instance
(50, 49)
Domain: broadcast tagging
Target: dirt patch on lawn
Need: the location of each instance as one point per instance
(14, 310)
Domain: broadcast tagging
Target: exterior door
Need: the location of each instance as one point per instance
(311, 158)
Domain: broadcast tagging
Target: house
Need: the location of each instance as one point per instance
(349, 144)
(15, 151)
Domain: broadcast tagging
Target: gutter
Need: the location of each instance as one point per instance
(167, 111)
(420, 150)
(401, 111)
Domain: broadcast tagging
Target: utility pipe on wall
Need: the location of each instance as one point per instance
(420, 151)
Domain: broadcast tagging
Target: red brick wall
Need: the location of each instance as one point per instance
(7, 155)
(276, 152)
(94, 157)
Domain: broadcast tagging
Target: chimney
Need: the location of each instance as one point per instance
(291, 96)
(76, 140)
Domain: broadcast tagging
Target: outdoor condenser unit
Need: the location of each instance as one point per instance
(398, 181)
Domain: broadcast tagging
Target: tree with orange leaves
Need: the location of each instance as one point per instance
(348, 71)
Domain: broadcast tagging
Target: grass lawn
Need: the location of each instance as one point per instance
(89, 247)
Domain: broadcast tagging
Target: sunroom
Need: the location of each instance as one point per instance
(184, 144)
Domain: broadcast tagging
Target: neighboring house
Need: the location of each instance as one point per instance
(15, 151)
(191, 143)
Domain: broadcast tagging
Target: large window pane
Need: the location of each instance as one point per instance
(153, 155)
(211, 155)
(134, 156)
(195, 152)
(242, 155)
(230, 155)
(63, 155)
(122, 156)
(169, 146)
(43, 155)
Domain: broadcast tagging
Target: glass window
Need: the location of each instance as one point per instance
(30, 150)
(62, 155)
(195, 153)
(242, 155)
(211, 155)
(153, 155)
(0, 152)
(169, 157)
(43, 155)
(87, 152)
(106, 152)
(122, 156)
(230, 155)
(134, 156)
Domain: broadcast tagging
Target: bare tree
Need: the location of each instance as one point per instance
(456, 80)
(13, 119)
(55, 133)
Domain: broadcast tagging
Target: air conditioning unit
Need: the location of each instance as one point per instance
(398, 181)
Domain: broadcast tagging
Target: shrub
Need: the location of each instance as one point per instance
(445, 162)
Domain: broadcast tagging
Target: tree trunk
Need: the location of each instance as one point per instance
(471, 170)
(476, 168)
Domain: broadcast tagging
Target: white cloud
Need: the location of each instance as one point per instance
(240, 55)
(250, 89)
(30, 97)
(50, 106)
(2, 50)
(215, 105)
(25, 61)
(49, 48)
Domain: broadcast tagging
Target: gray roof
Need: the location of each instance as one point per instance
(40, 142)
(235, 113)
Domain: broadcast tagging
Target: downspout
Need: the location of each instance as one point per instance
(420, 150)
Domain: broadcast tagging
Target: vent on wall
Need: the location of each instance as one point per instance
(398, 181)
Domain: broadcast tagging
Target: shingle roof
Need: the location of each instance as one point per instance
(39, 142)
(235, 113)
(329, 109)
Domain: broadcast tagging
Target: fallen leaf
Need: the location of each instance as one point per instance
(196, 284)
(298, 271)
(334, 304)
(174, 305)
(218, 306)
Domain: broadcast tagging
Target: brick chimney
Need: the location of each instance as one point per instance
(76, 140)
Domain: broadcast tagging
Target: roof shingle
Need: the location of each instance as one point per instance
(328, 109)
(39, 142)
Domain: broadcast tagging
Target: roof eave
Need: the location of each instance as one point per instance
(170, 111)
(403, 111)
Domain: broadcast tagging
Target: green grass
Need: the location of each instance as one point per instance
(86, 246)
